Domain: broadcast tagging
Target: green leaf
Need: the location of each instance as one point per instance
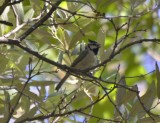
(101, 39)
(60, 15)
(28, 15)
(103, 4)
(2, 120)
(5, 16)
(31, 45)
(15, 99)
(29, 93)
(121, 92)
(73, 7)
(60, 57)
(158, 80)
(149, 96)
(3, 62)
(78, 36)
(43, 91)
(27, 115)
(19, 12)
(149, 120)
(26, 103)
(146, 101)
(61, 38)
(6, 105)
(37, 83)
(130, 95)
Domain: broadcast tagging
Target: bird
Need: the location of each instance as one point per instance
(86, 59)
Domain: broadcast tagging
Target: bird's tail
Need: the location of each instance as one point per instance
(62, 82)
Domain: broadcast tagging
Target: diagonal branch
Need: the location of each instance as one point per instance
(64, 67)
(40, 22)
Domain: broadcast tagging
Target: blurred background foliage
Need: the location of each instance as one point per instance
(60, 39)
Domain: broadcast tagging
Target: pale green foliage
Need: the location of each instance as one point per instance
(27, 81)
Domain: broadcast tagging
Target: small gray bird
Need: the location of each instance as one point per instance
(86, 59)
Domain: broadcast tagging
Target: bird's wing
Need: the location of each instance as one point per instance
(76, 61)
(79, 58)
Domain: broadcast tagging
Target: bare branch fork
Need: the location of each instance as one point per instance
(41, 21)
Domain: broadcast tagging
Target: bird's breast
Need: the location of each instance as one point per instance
(88, 61)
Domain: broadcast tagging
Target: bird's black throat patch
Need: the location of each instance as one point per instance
(93, 48)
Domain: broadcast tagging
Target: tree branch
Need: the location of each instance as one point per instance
(40, 22)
